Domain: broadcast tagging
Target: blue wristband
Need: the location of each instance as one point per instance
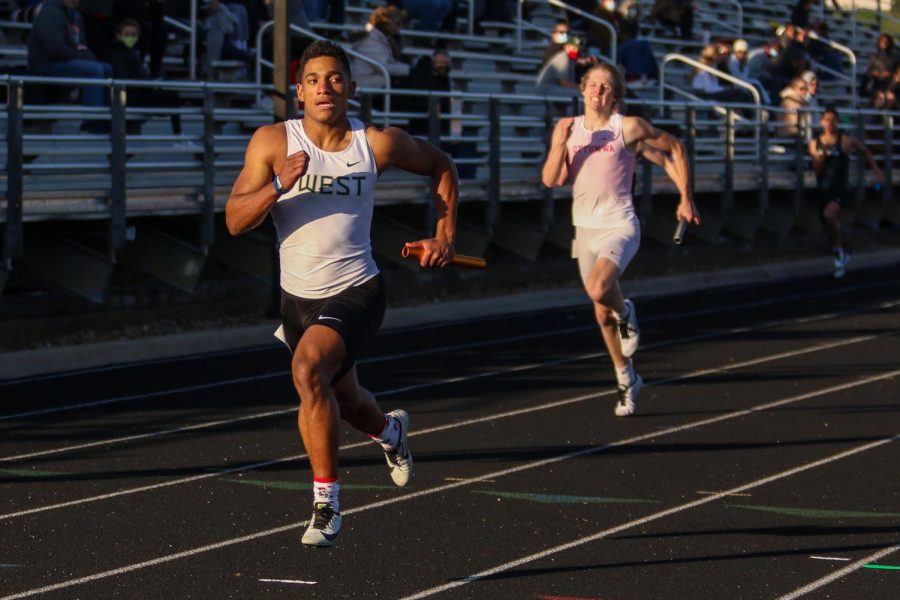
(277, 183)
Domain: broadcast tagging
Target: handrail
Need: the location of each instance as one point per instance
(193, 51)
(557, 3)
(720, 74)
(674, 56)
(843, 50)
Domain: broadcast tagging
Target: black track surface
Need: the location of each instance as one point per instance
(764, 458)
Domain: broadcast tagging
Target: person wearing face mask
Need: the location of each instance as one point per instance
(558, 37)
(128, 63)
(557, 76)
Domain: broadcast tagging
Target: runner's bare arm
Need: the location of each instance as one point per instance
(636, 131)
(556, 170)
(253, 193)
(818, 156)
(861, 148)
(393, 147)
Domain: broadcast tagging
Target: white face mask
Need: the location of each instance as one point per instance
(560, 37)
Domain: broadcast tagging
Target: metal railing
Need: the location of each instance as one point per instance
(851, 57)
(505, 149)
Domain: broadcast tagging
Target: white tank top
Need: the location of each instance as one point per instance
(324, 221)
(601, 170)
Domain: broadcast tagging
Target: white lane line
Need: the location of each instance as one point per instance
(485, 477)
(412, 387)
(507, 414)
(662, 514)
(426, 326)
(829, 558)
(281, 373)
(840, 573)
(288, 581)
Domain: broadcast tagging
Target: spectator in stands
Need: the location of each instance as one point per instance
(677, 14)
(557, 77)
(790, 62)
(634, 56)
(150, 16)
(793, 101)
(429, 73)
(225, 31)
(708, 85)
(127, 63)
(558, 38)
(428, 15)
(739, 66)
(56, 48)
(801, 12)
(98, 25)
(812, 88)
(882, 64)
(381, 43)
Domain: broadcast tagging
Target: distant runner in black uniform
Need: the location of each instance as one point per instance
(830, 153)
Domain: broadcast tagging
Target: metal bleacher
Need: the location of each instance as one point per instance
(90, 201)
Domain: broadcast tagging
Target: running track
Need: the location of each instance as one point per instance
(764, 463)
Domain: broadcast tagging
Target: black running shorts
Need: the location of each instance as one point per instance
(355, 314)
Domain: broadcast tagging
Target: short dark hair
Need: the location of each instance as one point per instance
(324, 48)
(128, 23)
(831, 109)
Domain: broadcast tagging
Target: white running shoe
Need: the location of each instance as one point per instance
(400, 459)
(324, 526)
(840, 264)
(627, 395)
(629, 333)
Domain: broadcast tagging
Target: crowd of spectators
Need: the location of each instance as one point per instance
(84, 38)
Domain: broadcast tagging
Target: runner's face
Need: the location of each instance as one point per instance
(829, 123)
(324, 89)
(598, 90)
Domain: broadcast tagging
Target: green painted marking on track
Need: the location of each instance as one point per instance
(814, 513)
(33, 473)
(301, 486)
(883, 567)
(560, 499)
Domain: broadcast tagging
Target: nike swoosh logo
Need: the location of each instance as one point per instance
(350, 164)
(322, 317)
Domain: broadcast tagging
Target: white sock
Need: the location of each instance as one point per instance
(626, 375)
(390, 435)
(327, 490)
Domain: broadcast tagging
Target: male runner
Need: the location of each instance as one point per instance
(830, 153)
(596, 153)
(316, 177)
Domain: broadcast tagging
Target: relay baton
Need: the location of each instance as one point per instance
(678, 237)
(459, 260)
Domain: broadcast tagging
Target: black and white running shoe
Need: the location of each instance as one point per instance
(629, 333)
(399, 459)
(324, 526)
(627, 396)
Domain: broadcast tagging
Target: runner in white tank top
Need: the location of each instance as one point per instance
(595, 153)
(324, 220)
(316, 176)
